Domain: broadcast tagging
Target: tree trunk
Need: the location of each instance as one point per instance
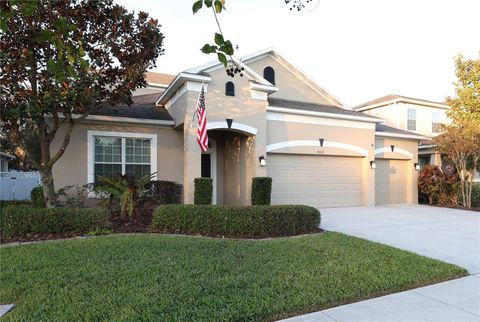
(48, 186)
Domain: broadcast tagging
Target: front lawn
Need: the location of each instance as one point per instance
(154, 277)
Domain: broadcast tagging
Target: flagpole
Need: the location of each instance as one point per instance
(195, 109)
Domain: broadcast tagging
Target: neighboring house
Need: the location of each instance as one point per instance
(4, 159)
(274, 121)
(411, 114)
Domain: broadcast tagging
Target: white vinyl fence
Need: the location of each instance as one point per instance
(16, 185)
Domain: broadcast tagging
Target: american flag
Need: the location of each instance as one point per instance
(202, 136)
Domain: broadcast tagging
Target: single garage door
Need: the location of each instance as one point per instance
(390, 181)
(319, 181)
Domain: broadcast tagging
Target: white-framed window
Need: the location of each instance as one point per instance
(436, 125)
(411, 119)
(113, 153)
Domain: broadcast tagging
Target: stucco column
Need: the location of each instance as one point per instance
(368, 183)
(191, 162)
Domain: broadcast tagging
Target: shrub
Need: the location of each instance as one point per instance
(203, 191)
(73, 195)
(236, 221)
(21, 221)
(437, 186)
(261, 190)
(5, 203)
(37, 197)
(123, 191)
(476, 195)
(161, 192)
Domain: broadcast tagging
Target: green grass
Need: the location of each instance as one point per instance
(154, 277)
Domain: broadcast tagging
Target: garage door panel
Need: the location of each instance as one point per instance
(390, 181)
(320, 181)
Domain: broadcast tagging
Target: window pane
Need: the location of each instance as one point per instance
(137, 170)
(137, 151)
(108, 149)
(107, 170)
(412, 125)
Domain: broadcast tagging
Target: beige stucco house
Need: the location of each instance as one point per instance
(317, 152)
(412, 114)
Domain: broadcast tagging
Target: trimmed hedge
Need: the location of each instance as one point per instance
(476, 195)
(203, 191)
(162, 192)
(261, 190)
(21, 221)
(37, 197)
(236, 221)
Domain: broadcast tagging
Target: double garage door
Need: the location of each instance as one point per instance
(390, 181)
(333, 181)
(319, 181)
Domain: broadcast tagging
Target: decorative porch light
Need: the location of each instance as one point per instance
(229, 123)
(321, 142)
(417, 166)
(373, 165)
(262, 160)
(392, 147)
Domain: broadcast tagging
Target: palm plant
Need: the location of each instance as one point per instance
(124, 189)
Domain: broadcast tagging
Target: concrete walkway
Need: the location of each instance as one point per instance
(456, 300)
(446, 234)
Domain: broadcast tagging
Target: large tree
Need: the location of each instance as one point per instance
(62, 60)
(460, 140)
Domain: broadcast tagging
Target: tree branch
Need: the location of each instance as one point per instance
(66, 140)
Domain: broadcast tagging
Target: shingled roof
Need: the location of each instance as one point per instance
(297, 105)
(159, 78)
(391, 97)
(143, 107)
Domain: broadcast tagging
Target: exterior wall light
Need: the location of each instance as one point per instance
(321, 142)
(229, 123)
(392, 147)
(373, 165)
(262, 160)
(417, 166)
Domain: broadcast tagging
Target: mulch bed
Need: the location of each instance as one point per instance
(477, 209)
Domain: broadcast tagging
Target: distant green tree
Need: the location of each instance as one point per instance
(460, 140)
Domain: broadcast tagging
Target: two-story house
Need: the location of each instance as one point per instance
(411, 114)
(274, 121)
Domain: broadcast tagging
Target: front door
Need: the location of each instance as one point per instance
(209, 166)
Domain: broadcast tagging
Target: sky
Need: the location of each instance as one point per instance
(357, 50)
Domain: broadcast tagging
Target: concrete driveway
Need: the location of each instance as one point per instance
(447, 234)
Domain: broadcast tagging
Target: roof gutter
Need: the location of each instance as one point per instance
(120, 119)
(178, 82)
(405, 100)
(323, 114)
(9, 156)
(400, 135)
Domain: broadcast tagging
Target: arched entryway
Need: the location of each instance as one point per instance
(231, 160)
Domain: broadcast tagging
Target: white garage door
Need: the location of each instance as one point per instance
(390, 181)
(319, 181)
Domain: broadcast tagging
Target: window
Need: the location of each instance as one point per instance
(435, 122)
(411, 119)
(269, 74)
(114, 153)
(229, 89)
